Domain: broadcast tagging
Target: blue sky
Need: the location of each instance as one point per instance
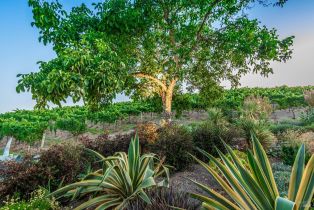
(20, 49)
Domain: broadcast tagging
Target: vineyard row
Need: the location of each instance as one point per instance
(29, 126)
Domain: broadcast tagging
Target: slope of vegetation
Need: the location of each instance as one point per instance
(29, 126)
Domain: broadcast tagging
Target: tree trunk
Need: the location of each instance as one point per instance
(166, 92)
(167, 106)
(43, 140)
(167, 101)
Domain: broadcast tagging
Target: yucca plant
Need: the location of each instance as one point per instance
(123, 177)
(256, 188)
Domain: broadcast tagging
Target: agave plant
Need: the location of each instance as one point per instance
(256, 188)
(123, 177)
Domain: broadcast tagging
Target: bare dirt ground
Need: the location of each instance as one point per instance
(286, 114)
(182, 180)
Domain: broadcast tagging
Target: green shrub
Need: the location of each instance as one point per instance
(284, 126)
(208, 136)
(282, 177)
(38, 201)
(165, 199)
(259, 128)
(309, 127)
(216, 116)
(73, 125)
(307, 118)
(174, 142)
(289, 152)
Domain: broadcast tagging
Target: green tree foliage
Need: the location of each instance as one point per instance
(149, 47)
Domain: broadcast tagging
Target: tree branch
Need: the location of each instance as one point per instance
(153, 79)
(172, 83)
(205, 18)
(198, 33)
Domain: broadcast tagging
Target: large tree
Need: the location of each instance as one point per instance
(147, 47)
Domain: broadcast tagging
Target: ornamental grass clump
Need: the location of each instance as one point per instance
(309, 97)
(122, 178)
(256, 188)
(290, 142)
(254, 118)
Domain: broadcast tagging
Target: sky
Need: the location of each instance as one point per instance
(20, 49)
